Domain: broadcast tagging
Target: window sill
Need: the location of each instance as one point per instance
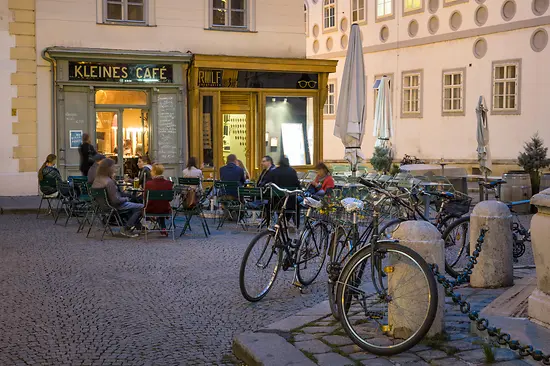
(453, 113)
(385, 18)
(329, 116)
(330, 30)
(407, 13)
(125, 24)
(511, 112)
(230, 29)
(411, 115)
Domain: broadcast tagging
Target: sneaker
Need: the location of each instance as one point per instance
(163, 232)
(128, 233)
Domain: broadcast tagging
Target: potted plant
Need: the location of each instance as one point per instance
(533, 159)
(381, 159)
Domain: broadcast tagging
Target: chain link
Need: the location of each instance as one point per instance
(482, 324)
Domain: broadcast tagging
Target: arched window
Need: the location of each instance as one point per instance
(329, 14)
(306, 19)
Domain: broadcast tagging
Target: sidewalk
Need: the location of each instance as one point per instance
(20, 204)
(313, 337)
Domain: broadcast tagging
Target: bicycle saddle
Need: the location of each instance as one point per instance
(352, 204)
(312, 202)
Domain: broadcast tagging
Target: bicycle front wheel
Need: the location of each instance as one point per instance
(339, 252)
(311, 253)
(260, 266)
(393, 300)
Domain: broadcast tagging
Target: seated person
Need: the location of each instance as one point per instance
(268, 167)
(104, 179)
(323, 182)
(158, 183)
(192, 171)
(98, 158)
(285, 177)
(232, 173)
(49, 176)
(241, 165)
(144, 165)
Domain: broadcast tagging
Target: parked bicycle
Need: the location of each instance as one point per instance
(379, 286)
(273, 249)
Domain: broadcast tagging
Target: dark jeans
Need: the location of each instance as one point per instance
(134, 210)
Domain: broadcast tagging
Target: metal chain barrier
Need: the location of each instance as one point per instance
(482, 324)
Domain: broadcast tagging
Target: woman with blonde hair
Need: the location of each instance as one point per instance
(241, 164)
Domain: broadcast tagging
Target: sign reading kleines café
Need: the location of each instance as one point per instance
(120, 73)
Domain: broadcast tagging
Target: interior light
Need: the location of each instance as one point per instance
(286, 100)
(273, 100)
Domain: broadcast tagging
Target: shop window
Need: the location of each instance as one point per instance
(207, 131)
(290, 129)
(229, 13)
(384, 9)
(412, 96)
(506, 91)
(121, 97)
(130, 11)
(358, 11)
(330, 104)
(453, 92)
(329, 14)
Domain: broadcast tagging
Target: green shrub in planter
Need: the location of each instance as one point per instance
(533, 159)
(381, 159)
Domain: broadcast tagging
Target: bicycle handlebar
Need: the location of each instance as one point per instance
(286, 191)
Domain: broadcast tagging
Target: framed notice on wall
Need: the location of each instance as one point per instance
(75, 138)
(293, 143)
(206, 131)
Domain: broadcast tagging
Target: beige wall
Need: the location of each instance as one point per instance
(435, 136)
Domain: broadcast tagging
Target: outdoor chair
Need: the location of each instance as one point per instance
(251, 201)
(190, 186)
(227, 197)
(104, 212)
(49, 198)
(89, 207)
(159, 196)
(293, 207)
(65, 201)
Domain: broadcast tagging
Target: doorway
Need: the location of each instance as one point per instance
(235, 136)
(127, 128)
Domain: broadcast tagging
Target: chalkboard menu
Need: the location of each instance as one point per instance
(167, 132)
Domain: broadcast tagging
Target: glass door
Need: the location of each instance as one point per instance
(123, 135)
(236, 136)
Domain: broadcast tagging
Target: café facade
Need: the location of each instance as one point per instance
(172, 105)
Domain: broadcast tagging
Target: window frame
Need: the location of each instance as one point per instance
(125, 21)
(324, 7)
(506, 111)
(365, 12)
(227, 25)
(413, 11)
(447, 3)
(408, 73)
(325, 109)
(386, 17)
(306, 17)
(452, 112)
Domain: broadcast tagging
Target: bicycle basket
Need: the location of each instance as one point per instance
(458, 206)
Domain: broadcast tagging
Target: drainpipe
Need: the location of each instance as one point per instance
(53, 107)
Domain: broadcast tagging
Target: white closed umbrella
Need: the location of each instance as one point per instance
(350, 115)
(483, 150)
(383, 126)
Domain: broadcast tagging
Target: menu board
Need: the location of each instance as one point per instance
(206, 131)
(167, 132)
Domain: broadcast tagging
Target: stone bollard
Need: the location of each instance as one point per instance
(425, 239)
(539, 301)
(495, 266)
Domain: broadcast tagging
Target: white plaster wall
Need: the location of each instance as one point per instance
(435, 136)
(9, 167)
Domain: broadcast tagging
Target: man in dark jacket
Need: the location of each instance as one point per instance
(232, 173)
(285, 177)
(267, 164)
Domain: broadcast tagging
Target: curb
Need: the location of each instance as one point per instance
(270, 346)
(21, 211)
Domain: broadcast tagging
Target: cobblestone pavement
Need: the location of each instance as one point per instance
(68, 300)
(325, 342)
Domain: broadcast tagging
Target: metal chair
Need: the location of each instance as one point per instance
(104, 212)
(251, 200)
(47, 184)
(227, 196)
(190, 186)
(159, 196)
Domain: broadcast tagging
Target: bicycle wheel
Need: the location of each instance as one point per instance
(457, 246)
(339, 252)
(398, 315)
(260, 265)
(311, 253)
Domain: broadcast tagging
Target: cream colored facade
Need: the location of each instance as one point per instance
(272, 29)
(466, 36)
